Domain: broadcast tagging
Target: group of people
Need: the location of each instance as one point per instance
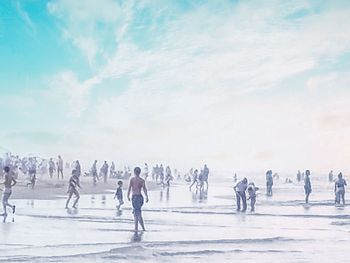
(200, 180)
(32, 166)
(136, 186)
(244, 190)
(160, 175)
(243, 186)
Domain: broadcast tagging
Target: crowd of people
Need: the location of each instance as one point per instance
(12, 166)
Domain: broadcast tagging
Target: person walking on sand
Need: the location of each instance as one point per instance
(307, 186)
(9, 183)
(136, 185)
(73, 189)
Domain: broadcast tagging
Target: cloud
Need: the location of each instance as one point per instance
(203, 82)
(26, 18)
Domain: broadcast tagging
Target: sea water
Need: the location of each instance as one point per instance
(183, 226)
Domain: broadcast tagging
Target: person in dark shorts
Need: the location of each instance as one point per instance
(136, 185)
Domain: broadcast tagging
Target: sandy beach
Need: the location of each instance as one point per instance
(48, 189)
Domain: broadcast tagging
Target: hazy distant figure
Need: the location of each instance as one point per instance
(299, 176)
(104, 171)
(161, 174)
(94, 173)
(339, 189)
(1, 168)
(135, 186)
(77, 168)
(240, 189)
(112, 172)
(330, 176)
(146, 171)
(307, 186)
(52, 167)
(8, 183)
(206, 175)
(251, 189)
(168, 176)
(235, 178)
(73, 189)
(119, 195)
(269, 183)
(195, 178)
(60, 167)
(32, 174)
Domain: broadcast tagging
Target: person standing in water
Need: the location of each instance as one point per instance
(73, 189)
(240, 189)
(339, 189)
(104, 171)
(307, 186)
(299, 176)
(206, 176)
(9, 183)
(330, 176)
(136, 185)
(269, 183)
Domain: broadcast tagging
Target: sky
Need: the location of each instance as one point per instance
(239, 85)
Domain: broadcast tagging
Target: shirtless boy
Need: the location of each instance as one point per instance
(136, 185)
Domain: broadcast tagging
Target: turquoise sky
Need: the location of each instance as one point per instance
(232, 83)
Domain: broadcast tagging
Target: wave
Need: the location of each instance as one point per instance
(213, 251)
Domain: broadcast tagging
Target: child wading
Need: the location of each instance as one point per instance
(119, 195)
(252, 195)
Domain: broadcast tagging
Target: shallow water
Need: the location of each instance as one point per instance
(182, 227)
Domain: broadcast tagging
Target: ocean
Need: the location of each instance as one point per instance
(183, 226)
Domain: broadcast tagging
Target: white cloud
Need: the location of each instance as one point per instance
(188, 91)
(26, 18)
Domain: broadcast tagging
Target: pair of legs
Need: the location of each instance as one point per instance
(239, 196)
(121, 202)
(268, 189)
(59, 171)
(340, 195)
(252, 203)
(137, 202)
(5, 204)
(32, 181)
(307, 194)
(76, 193)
